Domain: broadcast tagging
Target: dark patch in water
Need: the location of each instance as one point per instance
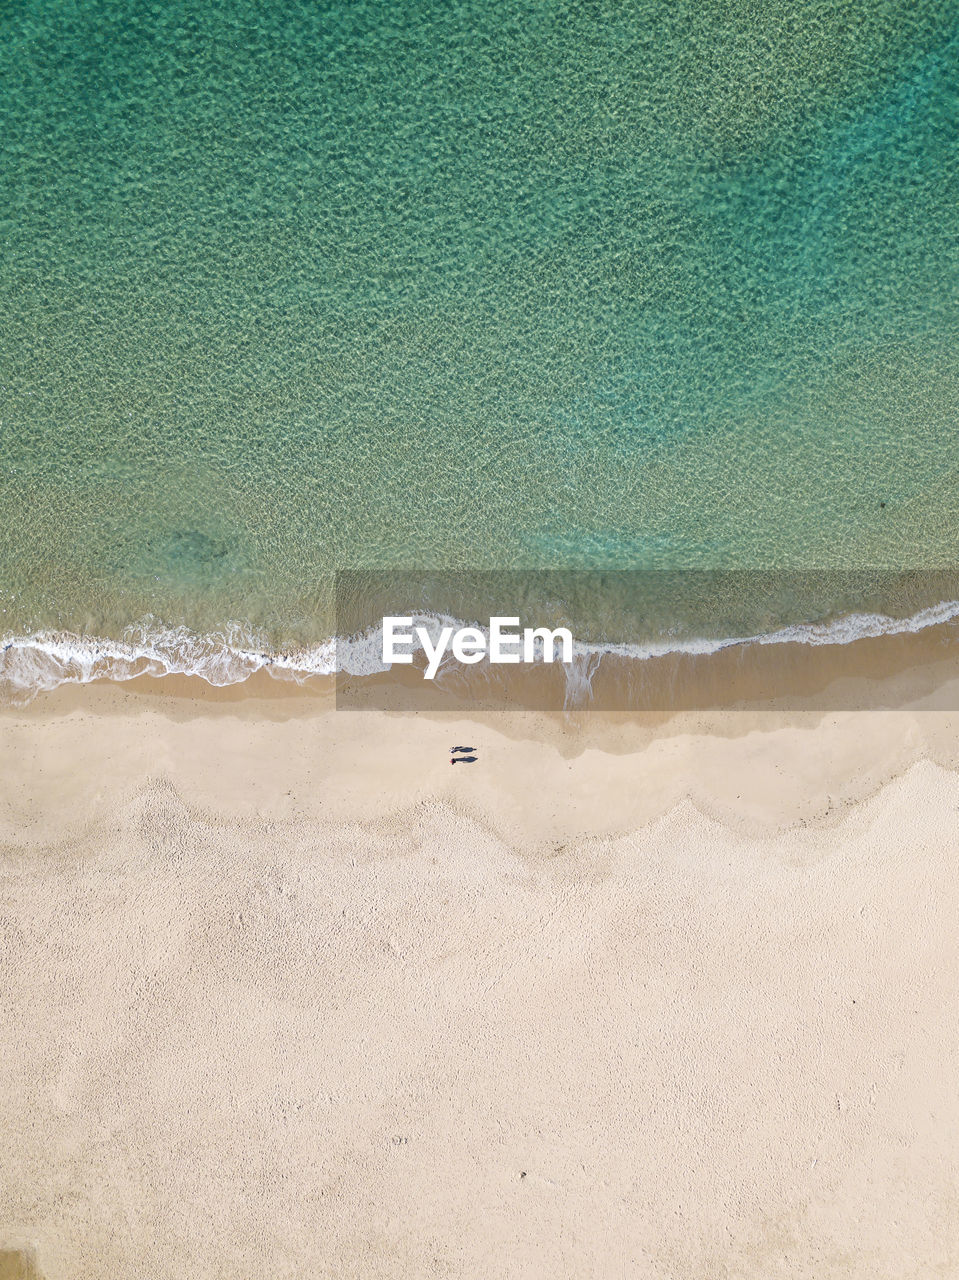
(185, 554)
(193, 547)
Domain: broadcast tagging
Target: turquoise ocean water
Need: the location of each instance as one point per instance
(289, 288)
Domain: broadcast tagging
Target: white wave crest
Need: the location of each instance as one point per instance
(845, 629)
(43, 660)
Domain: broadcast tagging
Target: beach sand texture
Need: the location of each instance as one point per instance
(284, 995)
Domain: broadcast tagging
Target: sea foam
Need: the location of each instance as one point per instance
(43, 660)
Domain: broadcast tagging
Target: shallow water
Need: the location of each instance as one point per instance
(305, 287)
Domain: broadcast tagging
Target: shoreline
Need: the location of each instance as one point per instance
(664, 675)
(762, 762)
(900, 669)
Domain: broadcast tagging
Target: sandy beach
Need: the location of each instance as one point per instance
(570, 383)
(285, 995)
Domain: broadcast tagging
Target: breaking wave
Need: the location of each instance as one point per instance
(30, 664)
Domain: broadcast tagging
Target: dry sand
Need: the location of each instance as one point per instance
(286, 996)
